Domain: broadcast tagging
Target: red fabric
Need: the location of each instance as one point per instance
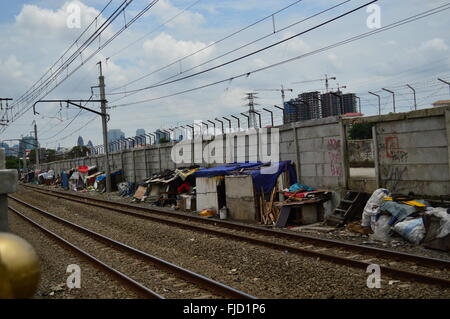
(184, 188)
(299, 195)
(83, 169)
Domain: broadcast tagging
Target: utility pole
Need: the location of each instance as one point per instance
(101, 84)
(414, 92)
(36, 151)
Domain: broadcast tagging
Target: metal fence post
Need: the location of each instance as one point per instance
(8, 184)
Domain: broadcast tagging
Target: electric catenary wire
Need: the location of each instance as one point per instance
(210, 45)
(252, 53)
(340, 43)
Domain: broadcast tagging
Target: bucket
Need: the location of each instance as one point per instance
(223, 213)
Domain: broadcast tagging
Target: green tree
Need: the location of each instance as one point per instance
(360, 131)
(78, 151)
(12, 162)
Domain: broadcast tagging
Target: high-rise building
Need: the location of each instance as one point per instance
(331, 104)
(26, 143)
(349, 103)
(80, 141)
(303, 108)
(115, 135)
(140, 131)
(310, 100)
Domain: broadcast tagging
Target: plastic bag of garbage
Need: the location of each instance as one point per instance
(373, 206)
(381, 228)
(411, 229)
(444, 223)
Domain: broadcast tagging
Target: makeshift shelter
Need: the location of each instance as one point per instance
(116, 178)
(262, 178)
(165, 188)
(76, 181)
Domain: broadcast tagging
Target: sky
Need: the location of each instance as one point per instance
(35, 34)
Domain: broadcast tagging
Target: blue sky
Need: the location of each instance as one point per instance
(36, 34)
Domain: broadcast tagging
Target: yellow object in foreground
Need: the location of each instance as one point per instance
(19, 268)
(207, 213)
(410, 202)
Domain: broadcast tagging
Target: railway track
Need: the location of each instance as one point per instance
(150, 275)
(396, 264)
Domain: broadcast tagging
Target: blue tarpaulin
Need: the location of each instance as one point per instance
(224, 170)
(64, 180)
(264, 175)
(103, 176)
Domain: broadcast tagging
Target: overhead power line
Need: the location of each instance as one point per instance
(335, 45)
(114, 16)
(156, 28)
(270, 16)
(251, 53)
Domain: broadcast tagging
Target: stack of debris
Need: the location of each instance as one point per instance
(172, 187)
(416, 220)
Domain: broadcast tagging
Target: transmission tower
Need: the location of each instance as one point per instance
(251, 96)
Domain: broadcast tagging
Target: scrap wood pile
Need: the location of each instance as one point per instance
(171, 187)
(269, 210)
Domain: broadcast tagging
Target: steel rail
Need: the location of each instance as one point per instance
(188, 275)
(239, 226)
(128, 280)
(279, 246)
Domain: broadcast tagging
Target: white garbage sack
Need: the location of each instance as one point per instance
(412, 229)
(372, 207)
(381, 228)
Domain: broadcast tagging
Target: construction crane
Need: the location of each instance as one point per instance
(282, 90)
(326, 79)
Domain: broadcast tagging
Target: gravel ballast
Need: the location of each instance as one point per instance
(54, 260)
(256, 270)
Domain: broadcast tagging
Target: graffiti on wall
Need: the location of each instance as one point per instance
(394, 151)
(360, 151)
(396, 160)
(334, 155)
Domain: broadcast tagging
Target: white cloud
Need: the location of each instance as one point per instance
(434, 44)
(165, 10)
(165, 48)
(39, 35)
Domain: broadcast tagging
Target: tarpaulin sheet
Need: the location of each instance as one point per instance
(103, 176)
(263, 176)
(64, 180)
(266, 177)
(223, 170)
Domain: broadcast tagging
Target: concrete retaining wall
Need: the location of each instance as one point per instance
(411, 154)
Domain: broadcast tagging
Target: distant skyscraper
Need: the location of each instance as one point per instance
(80, 141)
(140, 131)
(89, 144)
(26, 143)
(115, 135)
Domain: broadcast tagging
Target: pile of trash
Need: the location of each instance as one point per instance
(415, 220)
(174, 188)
